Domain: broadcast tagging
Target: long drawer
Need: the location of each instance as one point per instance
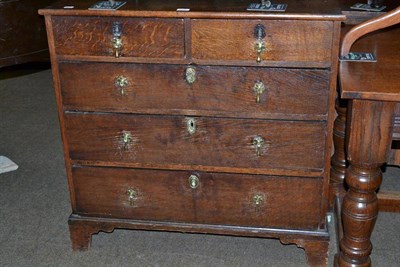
(193, 197)
(95, 36)
(179, 140)
(283, 40)
(165, 89)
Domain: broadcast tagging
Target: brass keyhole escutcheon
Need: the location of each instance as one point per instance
(191, 125)
(190, 75)
(257, 201)
(258, 142)
(259, 32)
(194, 181)
(132, 195)
(126, 139)
(121, 82)
(258, 89)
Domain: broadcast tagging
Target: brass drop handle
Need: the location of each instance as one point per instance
(258, 89)
(117, 44)
(121, 82)
(116, 40)
(132, 195)
(194, 181)
(190, 75)
(126, 139)
(257, 201)
(259, 47)
(258, 142)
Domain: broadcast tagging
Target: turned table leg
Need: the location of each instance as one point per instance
(369, 138)
(338, 160)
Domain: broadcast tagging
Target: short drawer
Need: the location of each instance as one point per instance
(94, 36)
(284, 40)
(197, 197)
(180, 141)
(165, 89)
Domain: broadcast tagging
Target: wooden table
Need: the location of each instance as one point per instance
(373, 93)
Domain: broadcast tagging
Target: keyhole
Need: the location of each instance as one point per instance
(191, 126)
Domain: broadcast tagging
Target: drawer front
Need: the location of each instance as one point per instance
(284, 40)
(94, 36)
(179, 140)
(230, 199)
(228, 91)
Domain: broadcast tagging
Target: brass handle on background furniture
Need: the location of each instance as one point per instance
(258, 89)
(132, 195)
(258, 142)
(121, 82)
(194, 181)
(116, 40)
(266, 3)
(257, 201)
(190, 75)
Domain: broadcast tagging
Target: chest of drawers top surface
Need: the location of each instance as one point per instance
(310, 9)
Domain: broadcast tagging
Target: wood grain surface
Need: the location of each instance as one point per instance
(219, 91)
(219, 199)
(218, 142)
(284, 40)
(374, 80)
(91, 36)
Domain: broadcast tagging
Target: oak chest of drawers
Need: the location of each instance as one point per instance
(212, 121)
